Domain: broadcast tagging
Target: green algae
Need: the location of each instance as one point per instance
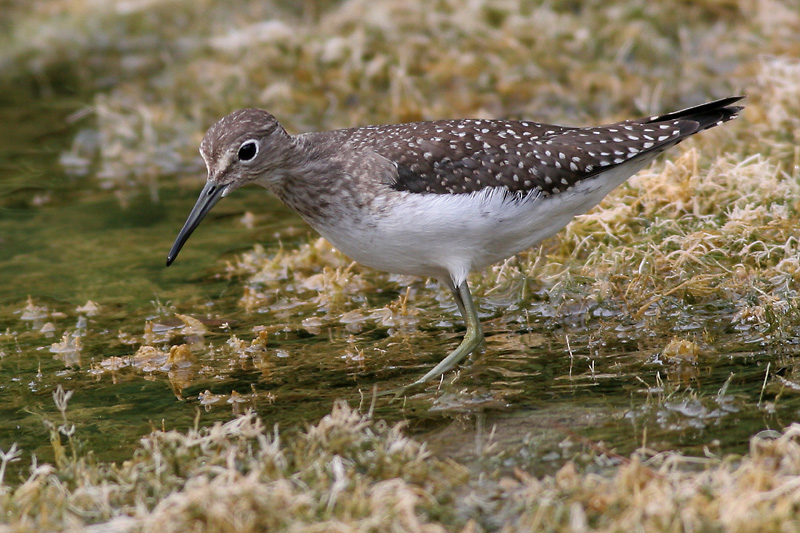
(665, 320)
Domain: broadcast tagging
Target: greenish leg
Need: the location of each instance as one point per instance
(472, 338)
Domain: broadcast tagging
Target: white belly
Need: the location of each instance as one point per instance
(447, 236)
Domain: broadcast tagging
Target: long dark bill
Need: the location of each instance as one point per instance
(209, 196)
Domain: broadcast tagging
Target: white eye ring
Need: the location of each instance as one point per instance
(248, 150)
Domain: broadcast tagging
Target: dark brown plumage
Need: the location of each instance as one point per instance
(464, 156)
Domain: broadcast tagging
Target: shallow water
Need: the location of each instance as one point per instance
(65, 241)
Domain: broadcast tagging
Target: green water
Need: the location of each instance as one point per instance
(64, 241)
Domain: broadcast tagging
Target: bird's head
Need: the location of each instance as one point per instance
(244, 147)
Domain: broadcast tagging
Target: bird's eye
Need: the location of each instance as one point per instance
(248, 150)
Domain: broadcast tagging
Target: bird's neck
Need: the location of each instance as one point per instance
(309, 174)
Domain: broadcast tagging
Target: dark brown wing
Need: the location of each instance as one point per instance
(465, 156)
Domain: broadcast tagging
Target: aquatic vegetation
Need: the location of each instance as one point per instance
(686, 278)
(350, 473)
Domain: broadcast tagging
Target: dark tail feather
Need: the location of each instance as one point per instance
(706, 115)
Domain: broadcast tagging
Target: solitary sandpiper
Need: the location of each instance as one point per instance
(438, 199)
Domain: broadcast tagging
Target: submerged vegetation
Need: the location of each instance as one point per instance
(690, 270)
(351, 473)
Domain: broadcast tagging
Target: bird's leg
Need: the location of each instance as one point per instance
(472, 338)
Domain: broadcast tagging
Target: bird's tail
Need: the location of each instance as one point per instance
(706, 115)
